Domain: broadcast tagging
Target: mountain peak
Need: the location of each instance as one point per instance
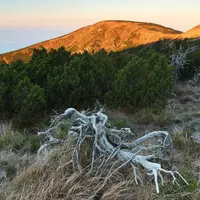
(192, 33)
(111, 35)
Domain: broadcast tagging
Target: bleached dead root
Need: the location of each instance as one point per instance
(109, 146)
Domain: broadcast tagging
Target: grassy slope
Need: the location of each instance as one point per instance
(57, 180)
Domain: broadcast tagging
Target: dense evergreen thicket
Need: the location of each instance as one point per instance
(57, 79)
(146, 80)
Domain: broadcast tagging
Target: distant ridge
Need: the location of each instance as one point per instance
(192, 33)
(112, 35)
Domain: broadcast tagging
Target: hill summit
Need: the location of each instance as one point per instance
(109, 35)
(192, 33)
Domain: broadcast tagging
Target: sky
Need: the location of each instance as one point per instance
(25, 22)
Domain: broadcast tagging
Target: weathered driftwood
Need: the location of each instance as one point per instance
(109, 143)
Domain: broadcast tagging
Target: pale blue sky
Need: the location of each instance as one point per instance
(24, 22)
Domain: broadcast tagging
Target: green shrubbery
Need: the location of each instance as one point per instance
(57, 79)
(145, 81)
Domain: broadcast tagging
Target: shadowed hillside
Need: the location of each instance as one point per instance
(110, 35)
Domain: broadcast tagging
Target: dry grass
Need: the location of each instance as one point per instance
(57, 180)
(13, 140)
(14, 152)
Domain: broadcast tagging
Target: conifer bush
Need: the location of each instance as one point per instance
(144, 82)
